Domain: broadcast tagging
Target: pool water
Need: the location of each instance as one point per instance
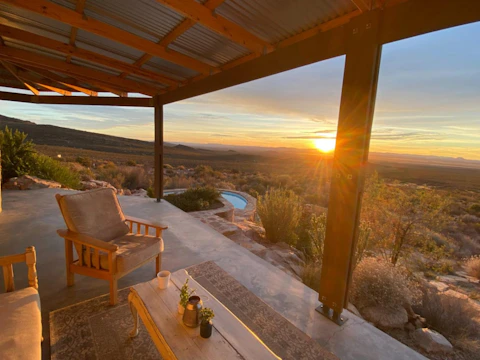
(238, 201)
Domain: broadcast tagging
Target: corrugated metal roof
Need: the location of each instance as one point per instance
(107, 47)
(143, 80)
(208, 46)
(170, 69)
(270, 20)
(276, 20)
(34, 48)
(12, 16)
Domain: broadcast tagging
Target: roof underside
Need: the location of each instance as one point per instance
(227, 33)
(183, 48)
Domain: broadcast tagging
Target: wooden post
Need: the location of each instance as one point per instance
(351, 155)
(31, 260)
(158, 147)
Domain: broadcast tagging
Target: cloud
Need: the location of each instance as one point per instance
(222, 135)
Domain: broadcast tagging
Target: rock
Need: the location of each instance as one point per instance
(385, 318)
(432, 341)
(140, 193)
(253, 231)
(409, 327)
(353, 309)
(440, 286)
(127, 192)
(27, 182)
(120, 192)
(96, 184)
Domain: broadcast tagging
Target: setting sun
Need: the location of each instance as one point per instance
(324, 145)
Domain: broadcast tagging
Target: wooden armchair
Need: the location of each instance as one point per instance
(20, 312)
(108, 244)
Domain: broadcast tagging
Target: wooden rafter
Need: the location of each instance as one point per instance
(218, 24)
(77, 100)
(13, 70)
(342, 20)
(362, 5)
(45, 62)
(73, 33)
(70, 50)
(55, 89)
(174, 34)
(68, 82)
(60, 13)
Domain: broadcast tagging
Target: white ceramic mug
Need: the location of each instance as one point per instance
(163, 279)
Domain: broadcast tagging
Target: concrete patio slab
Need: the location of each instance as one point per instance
(32, 218)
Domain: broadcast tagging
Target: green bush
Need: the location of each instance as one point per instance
(194, 199)
(279, 211)
(47, 168)
(84, 161)
(17, 153)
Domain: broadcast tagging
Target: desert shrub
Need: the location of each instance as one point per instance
(453, 317)
(131, 163)
(311, 274)
(475, 208)
(86, 174)
(17, 153)
(151, 192)
(377, 282)
(178, 182)
(279, 211)
(84, 161)
(47, 168)
(194, 199)
(111, 174)
(135, 178)
(472, 266)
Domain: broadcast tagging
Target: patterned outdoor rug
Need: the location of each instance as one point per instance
(95, 330)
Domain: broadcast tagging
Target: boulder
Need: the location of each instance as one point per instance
(96, 184)
(27, 182)
(432, 341)
(353, 309)
(140, 193)
(385, 318)
(252, 231)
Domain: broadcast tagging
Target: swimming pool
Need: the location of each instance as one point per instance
(238, 201)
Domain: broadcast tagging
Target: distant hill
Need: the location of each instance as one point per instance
(60, 136)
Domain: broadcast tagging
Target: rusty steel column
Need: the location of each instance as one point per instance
(350, 159)
(158, 186)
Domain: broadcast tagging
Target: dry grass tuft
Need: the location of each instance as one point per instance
(455, 318)
(472, 266)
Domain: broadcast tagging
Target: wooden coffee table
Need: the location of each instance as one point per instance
(230, 339)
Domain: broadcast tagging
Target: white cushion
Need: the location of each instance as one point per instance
(21, 325)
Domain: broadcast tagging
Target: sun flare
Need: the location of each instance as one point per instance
(324, 145)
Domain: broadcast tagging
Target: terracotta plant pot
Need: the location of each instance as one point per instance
(206, 329)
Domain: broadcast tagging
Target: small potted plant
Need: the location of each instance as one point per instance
(185, 294)
(206, 315)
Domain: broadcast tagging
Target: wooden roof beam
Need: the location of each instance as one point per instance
(362, 5)
(77, 100)
(55, 89)
(73, 32)
(68, 82)
(45, 62)
(67, 16)
(13, 70)
(203, 15)
(47, 43)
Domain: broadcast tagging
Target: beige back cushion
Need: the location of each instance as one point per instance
(96, 213)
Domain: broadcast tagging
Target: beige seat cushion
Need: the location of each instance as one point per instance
(132, 251)
(21, 325)
(96, 213)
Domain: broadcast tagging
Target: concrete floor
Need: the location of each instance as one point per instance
(32, 218)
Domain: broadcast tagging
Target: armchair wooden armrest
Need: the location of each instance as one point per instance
(30, 258)
(147, 224)
(87, 240)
